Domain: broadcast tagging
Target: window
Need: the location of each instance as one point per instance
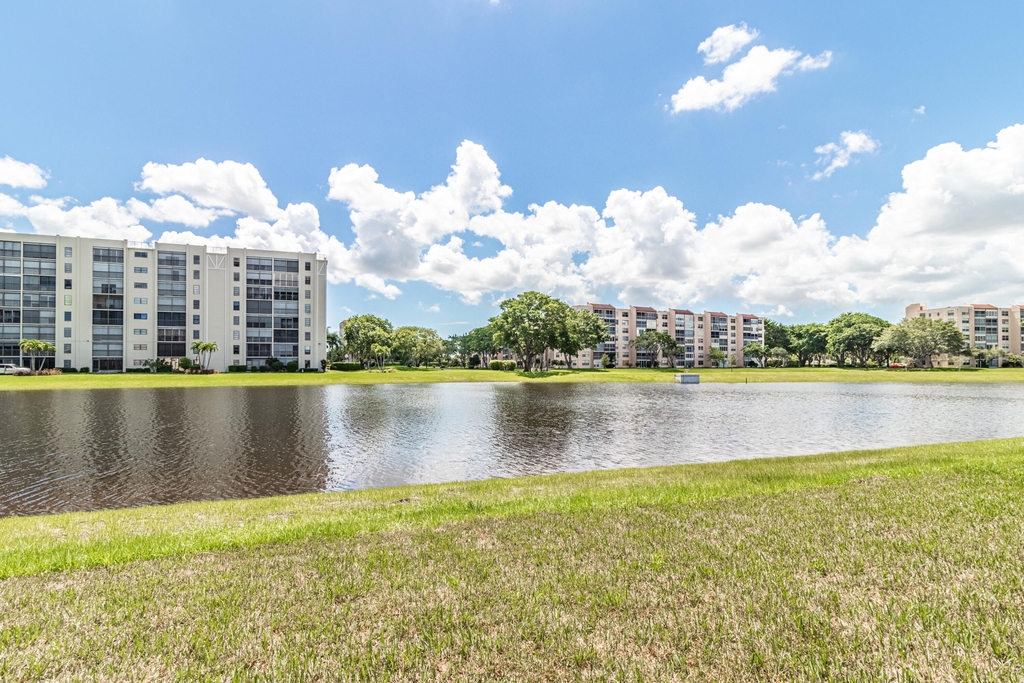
(236, 320)
(141, 285)
(195, 304)
(195, 290)
(307, 309)
(308, 279)
(307, 294)
(195, 334)
(195, 274)
(67, 267)
(236, 306)
(67, 333)
(195, 320)
(307, 336)
(67, 349)
(67, 316)
(236, 346)
(195, 259)
(67, 284)
(307, 322)
(141, 300)
(307, 350)
(67, 252)
(142, 270)
(141, 347)
(238, 262)
(237, 276)
(236, 335)
(141, 316)
(67, 299)
(307, 265)
(141, 254)
(237, 291)
(140, 332)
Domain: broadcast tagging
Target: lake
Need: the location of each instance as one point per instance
(88, 450)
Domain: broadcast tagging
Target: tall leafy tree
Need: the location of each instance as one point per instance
(757, 351)
(576, 330)
(35, 347)
(481, 342)
(527, 326)
(776, 335)
(361, 332)
(809, 342)
(458, 346)
(655, 343)
(716, 356)
(851, 335)
(333, 347)
(415, 346)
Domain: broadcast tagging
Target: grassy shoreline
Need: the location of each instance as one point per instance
(900, 563)
(426, 376)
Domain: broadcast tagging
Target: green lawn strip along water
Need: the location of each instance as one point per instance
(902, 564)
(31, 545)
(435, 376)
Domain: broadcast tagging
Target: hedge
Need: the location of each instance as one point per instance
(346, 367)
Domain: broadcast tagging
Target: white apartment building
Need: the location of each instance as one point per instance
(984, 326)
(110, 305)
(695, 333)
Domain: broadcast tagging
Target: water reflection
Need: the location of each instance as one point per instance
(82, 450)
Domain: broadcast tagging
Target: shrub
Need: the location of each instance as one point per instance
(185, 364)
(474, 361)
(69, 371)
(496, 365)
(237, 368)
(136, 370)
(346, 367)
(85, 370)
(509, 366)
(292, 366)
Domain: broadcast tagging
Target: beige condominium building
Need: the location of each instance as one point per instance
(984, 326)
(112, 305)
(695, 333)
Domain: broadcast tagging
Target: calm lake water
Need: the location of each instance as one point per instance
(87, 450)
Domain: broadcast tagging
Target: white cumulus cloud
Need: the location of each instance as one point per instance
(725, 42)
(14, 173)
(756, 73)
(175, 209)
(835, 156)
(226, 185)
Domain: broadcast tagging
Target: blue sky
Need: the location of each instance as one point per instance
(569, 101)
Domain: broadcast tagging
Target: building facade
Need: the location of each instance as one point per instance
(111, 305)
(695, 333)
(984, 326)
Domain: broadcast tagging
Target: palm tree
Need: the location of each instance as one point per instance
(204, 351)
(36, 347)
(333, 344)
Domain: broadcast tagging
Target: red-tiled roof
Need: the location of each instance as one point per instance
(682, 310)
(986, 306)
(645, 308)
(604, 306)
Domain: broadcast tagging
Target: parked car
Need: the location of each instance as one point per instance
(897, 365)
(9, 369)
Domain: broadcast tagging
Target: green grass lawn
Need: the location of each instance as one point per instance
(424, 375)
(899, 564)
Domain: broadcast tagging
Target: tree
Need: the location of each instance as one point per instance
(577, 330)
(36, 347)
(414, 346)
(892, 343)
(851, 335)
(527, 326)
(333, 347)
(716, 356)
(757, 351)
(776, 335)
(779, 356)
(204, 351)
(809, 342)
(654, 343)
(381, 353)
(458, 345)
(481, 341)
(361, 332)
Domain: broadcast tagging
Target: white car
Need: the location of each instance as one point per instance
(8, 369)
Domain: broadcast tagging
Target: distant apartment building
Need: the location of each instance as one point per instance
(984, 326)
(695, 333)
(112, 305)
